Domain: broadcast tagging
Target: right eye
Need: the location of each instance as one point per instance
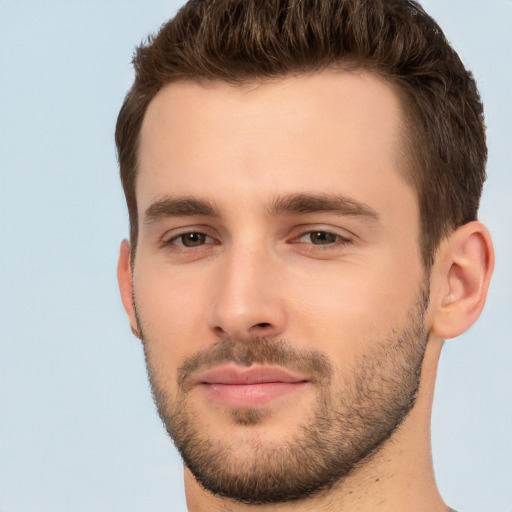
(191, 239)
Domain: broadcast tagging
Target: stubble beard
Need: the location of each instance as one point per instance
(352, 417)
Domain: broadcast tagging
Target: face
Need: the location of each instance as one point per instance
(277, 282)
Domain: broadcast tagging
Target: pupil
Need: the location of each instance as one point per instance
(321, 237)
(193, 239)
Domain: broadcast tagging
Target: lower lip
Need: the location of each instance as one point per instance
(251, 395)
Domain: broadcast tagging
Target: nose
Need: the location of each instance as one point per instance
(247, 295)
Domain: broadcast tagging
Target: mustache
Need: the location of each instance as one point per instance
(260, 350)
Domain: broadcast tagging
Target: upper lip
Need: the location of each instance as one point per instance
(255, 374)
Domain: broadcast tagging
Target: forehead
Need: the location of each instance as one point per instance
(293, 134)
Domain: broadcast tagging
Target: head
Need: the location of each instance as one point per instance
(294, 172)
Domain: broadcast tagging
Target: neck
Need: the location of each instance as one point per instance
(398, 478)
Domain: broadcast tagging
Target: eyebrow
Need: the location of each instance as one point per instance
(293, 204)
(303, 204)
(179, 207)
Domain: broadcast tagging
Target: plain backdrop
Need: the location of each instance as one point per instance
(79, 431)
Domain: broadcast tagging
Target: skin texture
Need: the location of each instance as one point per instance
(256, 271)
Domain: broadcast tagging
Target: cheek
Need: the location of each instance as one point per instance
(171, 309)
(344, 311)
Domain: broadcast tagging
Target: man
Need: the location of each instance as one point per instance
(302, 179)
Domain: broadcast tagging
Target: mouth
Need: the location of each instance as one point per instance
(254, 386)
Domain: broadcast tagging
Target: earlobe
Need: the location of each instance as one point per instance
(124, 277)
(460, 279)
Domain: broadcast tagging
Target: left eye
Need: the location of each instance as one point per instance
(320, 238)
(192, 239)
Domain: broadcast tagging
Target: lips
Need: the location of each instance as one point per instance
(252, 375)
(249, 387)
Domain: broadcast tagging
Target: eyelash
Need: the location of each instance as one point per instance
(172, 241)
(338, 242)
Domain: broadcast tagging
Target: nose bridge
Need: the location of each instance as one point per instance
(247, 300)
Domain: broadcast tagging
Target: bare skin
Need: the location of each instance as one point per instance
(253, 269)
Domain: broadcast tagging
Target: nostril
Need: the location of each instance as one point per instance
(262, 324)
(219, 330)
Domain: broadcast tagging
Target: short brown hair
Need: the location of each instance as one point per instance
(245, 40)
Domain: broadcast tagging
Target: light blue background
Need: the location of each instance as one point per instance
(78, 428)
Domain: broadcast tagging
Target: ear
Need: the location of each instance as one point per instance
(124, 277)
(460, 279)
